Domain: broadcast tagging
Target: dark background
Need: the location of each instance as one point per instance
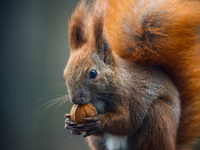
(33, 54)
(34, 51)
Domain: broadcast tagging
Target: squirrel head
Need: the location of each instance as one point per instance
(89, 70)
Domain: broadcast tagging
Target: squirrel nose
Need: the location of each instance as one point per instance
(79, 96)
(75, 100)
(78, 99)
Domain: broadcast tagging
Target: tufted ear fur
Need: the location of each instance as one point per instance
(77, 26)
(99, 11)
(100, 40)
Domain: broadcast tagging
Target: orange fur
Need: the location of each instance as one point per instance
(162, 33)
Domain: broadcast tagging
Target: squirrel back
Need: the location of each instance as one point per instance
(164, 34)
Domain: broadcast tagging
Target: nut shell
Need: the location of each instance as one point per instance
(82, 111)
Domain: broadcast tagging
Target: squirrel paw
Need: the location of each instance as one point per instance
(90, 127)
(69, 124)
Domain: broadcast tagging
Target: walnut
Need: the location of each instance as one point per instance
(82, 111)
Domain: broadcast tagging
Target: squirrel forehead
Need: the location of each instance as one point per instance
(79, 61)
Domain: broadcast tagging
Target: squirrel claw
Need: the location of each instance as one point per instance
(71, 123)
(76, 132)
(67, 115)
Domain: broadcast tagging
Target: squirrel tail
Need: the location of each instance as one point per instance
(162, 33)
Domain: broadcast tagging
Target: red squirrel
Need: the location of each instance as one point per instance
(138, 62)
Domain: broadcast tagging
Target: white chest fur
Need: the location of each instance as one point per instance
(115, 142)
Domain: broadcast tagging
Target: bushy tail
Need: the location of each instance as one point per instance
(162, 33)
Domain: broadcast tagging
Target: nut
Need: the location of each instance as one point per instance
(82, 111)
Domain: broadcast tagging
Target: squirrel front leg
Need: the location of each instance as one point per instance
(117, 122)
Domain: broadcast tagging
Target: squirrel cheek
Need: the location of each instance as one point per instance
(100, 107)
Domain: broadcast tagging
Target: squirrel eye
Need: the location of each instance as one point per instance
(93, 74)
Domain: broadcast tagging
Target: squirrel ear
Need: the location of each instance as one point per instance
(77, 26)
(99, 11)
(105, 53)
(101, 44)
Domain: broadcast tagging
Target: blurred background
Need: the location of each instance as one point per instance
(34, 50)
